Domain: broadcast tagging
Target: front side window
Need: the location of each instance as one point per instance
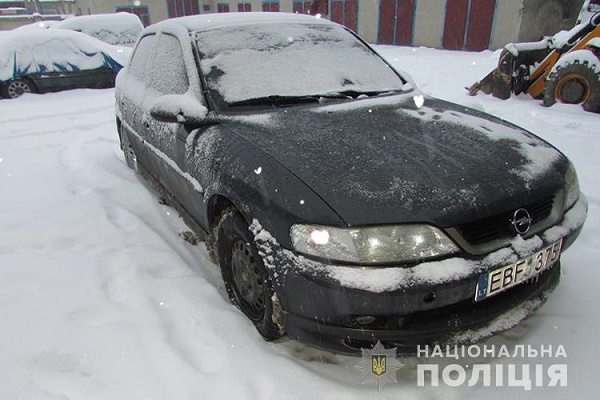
(168, 73)
(259, 61)
(142, 57)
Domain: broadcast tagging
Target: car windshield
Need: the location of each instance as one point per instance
(276, 64)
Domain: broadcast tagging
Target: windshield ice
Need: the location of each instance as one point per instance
(256, 61)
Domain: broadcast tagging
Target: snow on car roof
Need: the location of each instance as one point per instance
(117, 28)
(30, 51)
(210, 21)
(37, 25)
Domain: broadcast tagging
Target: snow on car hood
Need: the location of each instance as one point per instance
(385, 160)
(30, 51)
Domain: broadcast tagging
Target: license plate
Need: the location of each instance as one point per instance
(501, 279)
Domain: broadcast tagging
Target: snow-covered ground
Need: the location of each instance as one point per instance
(100, 298)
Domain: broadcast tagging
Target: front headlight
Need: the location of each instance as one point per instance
(384, 244)
(571, 187)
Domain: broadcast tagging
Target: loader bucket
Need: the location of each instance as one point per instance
(512, 75)
(498, 83)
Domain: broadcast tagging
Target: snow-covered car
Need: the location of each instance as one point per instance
(44, 60)
(117, 29)
(343, 205)
(37, 25)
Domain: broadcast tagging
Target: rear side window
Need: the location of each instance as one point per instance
(168, 74)
(142, 57)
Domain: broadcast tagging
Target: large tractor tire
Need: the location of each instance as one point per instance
(574, 83)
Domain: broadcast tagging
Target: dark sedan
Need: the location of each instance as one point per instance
(50, 60)
(342, 205)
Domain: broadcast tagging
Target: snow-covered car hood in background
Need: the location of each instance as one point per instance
(385, 160)
(30, 51)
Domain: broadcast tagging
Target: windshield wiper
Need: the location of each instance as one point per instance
(354, 94)
(276, 101)
(287, 101)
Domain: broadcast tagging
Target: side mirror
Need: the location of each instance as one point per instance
(181, 108)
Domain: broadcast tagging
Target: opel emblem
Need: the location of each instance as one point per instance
(521, 221)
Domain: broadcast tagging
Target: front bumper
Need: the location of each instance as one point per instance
(345, 309)
(443, 325)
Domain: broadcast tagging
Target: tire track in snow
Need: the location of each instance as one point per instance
(93, 169)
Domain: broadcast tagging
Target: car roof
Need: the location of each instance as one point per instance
(212, 21)
(117, 28)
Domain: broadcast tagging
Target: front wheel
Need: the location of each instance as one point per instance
(575, 83)
(245, 276)
(17, 88)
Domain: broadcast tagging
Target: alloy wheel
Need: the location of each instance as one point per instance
(17, 88)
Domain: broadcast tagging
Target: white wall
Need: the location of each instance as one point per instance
(429, 23)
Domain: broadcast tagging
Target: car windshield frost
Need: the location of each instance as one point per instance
(276, 64)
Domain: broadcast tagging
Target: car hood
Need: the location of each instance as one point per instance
(406, 158)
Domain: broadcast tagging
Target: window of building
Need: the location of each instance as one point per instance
(303, 7)
(244, 7)
(270, 5)
(143, 12)
(223, 7)
(180, 8)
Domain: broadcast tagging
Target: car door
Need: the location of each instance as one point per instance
(130, 97)
(64, 74)
(170, 75)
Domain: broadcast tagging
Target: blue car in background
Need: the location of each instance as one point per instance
(51, 60)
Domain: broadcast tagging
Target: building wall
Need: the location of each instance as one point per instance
(368, 17)
(546, 17)
(157, 8)
(14, 21)
(429, 23)
(507, 23)
(450, 24)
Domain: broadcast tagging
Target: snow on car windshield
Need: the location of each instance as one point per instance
(31, 51)
(255, 61)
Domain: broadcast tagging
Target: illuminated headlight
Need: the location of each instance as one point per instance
(384, 244)
(571, 187)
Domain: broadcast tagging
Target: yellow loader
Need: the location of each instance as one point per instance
(564, 68)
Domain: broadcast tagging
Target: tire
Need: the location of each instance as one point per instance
(245, 276)
(17, 88)
(575, 83)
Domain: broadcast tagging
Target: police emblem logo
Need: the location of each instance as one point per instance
(378, 367)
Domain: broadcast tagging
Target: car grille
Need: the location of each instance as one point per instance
(498, 226)
(486, 235)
